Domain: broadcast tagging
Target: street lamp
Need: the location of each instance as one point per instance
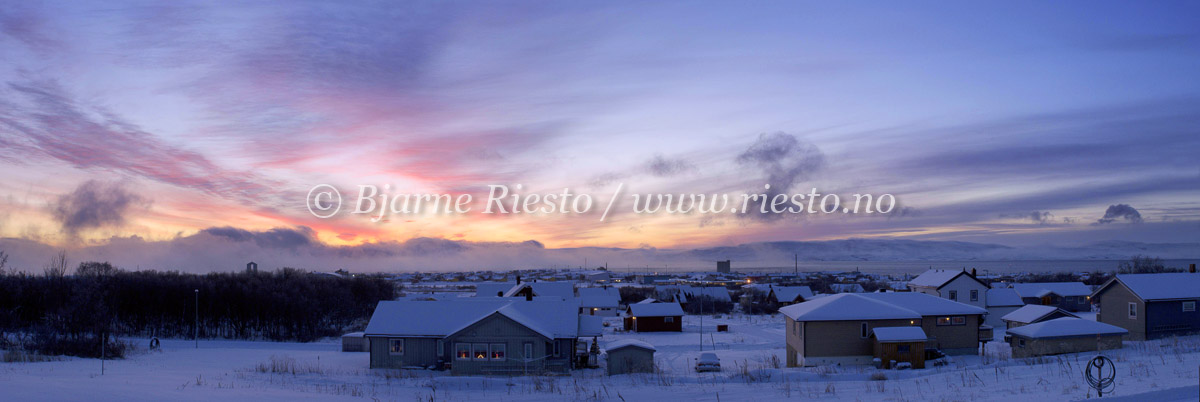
(196, 326)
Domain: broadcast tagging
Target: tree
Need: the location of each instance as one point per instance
(1142, 264)
(57, 267)
(3, 261)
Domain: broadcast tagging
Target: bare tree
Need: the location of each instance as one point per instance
(3, 261)
(57, 267)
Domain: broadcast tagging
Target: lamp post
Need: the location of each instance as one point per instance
(196, 326)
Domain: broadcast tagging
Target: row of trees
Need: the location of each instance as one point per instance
(56, 313)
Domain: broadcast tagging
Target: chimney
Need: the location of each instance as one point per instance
(518, 279)
(1192, 268)
(972, 272)
(529, 295)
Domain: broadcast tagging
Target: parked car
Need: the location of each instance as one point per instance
(708, 362)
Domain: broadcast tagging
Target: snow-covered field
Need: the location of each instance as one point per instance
(751, 354)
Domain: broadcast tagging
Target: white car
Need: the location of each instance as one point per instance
(708, 362)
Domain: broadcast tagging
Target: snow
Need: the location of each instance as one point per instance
(925, 304)
(846, 306)
(1067, 327)
(934, 278)
(552, 319)
(899, 334)
(655, 310)
(1163, 286)
(563, 289)
(1058, 288)
(1161, 370)
(789, 293)
(625, 343)
(1003, 297)
(1031, 313)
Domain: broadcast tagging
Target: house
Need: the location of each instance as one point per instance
(958, 286)
(1150, 306)
(1033, 313)
(476, 335)
(1064, 335)
(788, 295)
(596, 276)
(654, 317)
(1000, 302)
(1070, 296)
(836, 329)
(630, 356)
(354, 342)
(562, 289)
(599, 301)
(899, 345)
(846, 288)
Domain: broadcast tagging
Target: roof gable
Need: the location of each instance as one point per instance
(936, 278)
(846, 306)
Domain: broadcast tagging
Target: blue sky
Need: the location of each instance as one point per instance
(1017, 123)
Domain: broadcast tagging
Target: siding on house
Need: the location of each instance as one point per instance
(834, 341)
(1054, 346)
(654, 324)
(418, 352)
(498, 329)
(630, 360)
(1114, 310)
(1166, 318)
(952, 339)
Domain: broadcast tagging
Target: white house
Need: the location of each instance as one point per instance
(1001, 301)
(959, 286)
(599, 301)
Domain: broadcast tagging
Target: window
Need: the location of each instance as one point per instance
(943, 321)
(462, 351)
(863, 332)
(1133, 311)
(441, 347)
(396, 346)
(958, 320)
(479, 351)
(557, 349)
(1189, 306)
(668, 319)
(1021, 342)
(903, 348)
(528, 350)
(974, 295)
(498, 350)
(953, 295)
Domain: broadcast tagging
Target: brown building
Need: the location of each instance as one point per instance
(1151, 306)
(900, 345)
(654, 317)
(1064, 335)
(837, 329)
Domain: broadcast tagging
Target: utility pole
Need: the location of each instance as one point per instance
(196, 327)
(797, 269)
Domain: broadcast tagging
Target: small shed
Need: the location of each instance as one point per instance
(1064, 335)
(630, 356)
(900, 344)
(355, 342)
(654, 317)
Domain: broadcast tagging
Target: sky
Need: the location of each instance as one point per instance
(163, 133)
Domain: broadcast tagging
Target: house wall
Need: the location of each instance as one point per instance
(964, 284)
(795, 342)
(891, 351)
(830, 342)
(418, 352)
(1167, 318)
(600, 311)
(503, 330)
(952, 339)
(630, 360)
(994, 314)
(926, 290)
(1054, 346)
(654, 324)
(1114, 310)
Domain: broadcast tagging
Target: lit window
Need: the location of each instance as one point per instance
(959, 320)
(462, 351)
(498, 350)
(396, 346)
(479, 351)
(943, 321)
(1189, 306)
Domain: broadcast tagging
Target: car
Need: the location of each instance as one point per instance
(708, 362)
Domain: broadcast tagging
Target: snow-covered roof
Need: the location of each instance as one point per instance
(606, 291)
(1067, 327)
(1058, 288)
(552, 319)
(599, 301)
(1031, 313)
(563, 289)
(899, 334)
(1003, 297)
(625, 343)
(876, 306)
(718, 293)
(935, 277)
(655, 310)
(1163, 286)
(648, 301)
(789, 293)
